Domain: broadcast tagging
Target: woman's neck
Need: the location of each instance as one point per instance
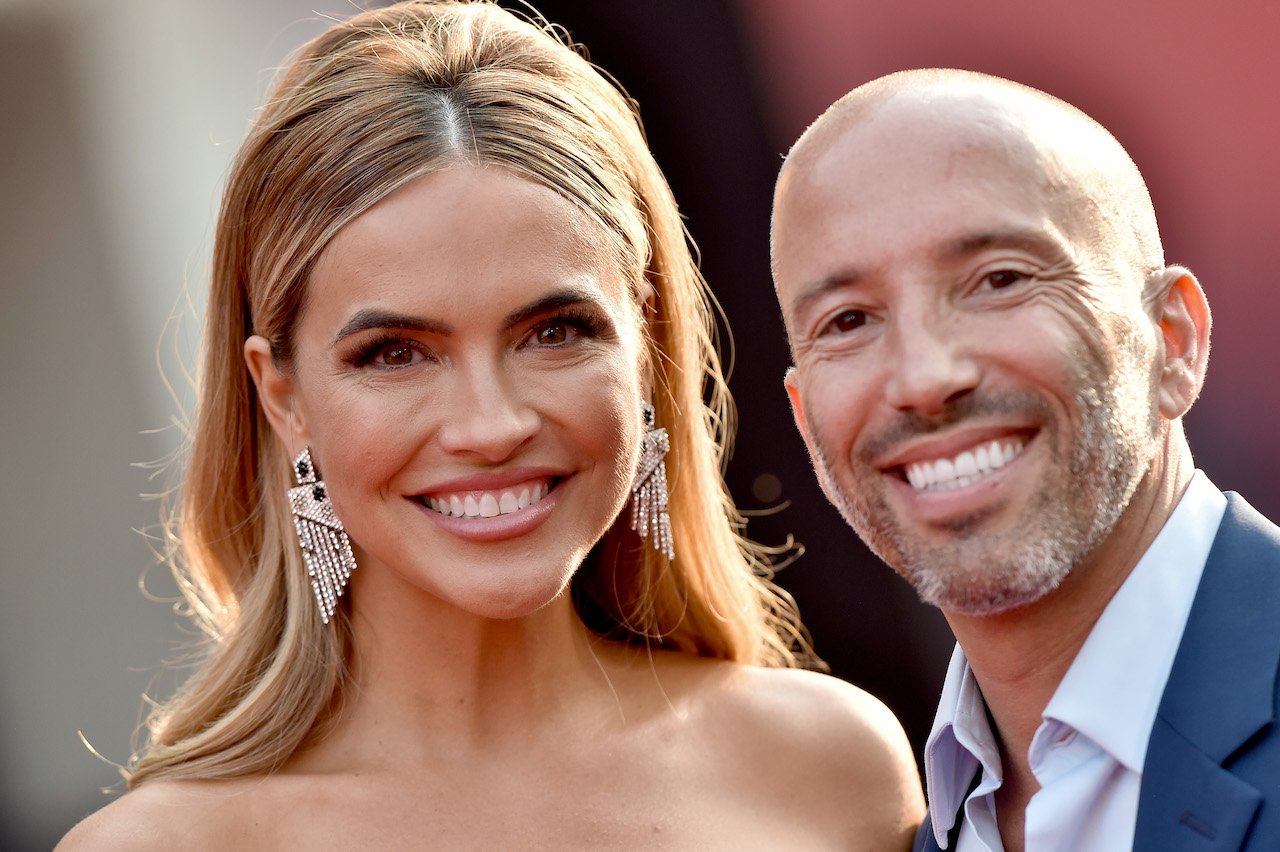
(429, 678)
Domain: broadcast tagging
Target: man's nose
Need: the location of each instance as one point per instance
(490, 415)
(931, 364)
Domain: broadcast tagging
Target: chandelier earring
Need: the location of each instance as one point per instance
(326, 549)
(649, 513)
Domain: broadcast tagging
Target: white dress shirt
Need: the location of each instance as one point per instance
(1088, 752)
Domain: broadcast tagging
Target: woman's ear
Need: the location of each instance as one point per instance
(275, 394)
(646, 313)
(1185, 324)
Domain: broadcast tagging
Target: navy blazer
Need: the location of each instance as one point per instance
(1211, 780)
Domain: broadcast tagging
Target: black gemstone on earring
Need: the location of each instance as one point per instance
(303, 470)
(649, 416)
(318, 492)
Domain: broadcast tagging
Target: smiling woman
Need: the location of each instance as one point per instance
(454, 327)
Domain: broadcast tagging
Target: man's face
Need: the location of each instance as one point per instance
(975, 373)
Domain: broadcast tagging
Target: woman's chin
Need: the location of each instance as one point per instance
(510, 601)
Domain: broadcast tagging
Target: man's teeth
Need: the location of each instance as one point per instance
(489, 504)
(965, 468)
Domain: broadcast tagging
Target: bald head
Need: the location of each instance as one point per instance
(1090, 179)
(981, 323)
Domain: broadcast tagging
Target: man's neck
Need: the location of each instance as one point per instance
(1020, 657)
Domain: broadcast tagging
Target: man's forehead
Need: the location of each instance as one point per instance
(897, 164)
(895, 158)
(916, 129)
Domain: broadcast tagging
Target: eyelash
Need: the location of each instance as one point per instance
(375, 346)
(584, 322)
(1019, 275)
(829, 326)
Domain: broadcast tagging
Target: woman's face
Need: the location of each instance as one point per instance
(466, 372)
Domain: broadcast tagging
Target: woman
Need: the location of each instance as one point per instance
(454, 327)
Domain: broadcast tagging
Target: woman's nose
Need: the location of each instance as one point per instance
(490, 414)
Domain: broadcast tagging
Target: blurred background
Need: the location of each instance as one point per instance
(117, 123)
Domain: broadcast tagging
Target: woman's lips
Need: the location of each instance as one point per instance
(501, 525)
(488, 503)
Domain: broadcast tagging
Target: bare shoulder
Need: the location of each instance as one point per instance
(811, 714)
(837, 749)
(166, 815)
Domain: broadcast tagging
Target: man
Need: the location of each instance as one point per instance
(992, 361)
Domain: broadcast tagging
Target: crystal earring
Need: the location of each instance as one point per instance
(649, 514)
(325, 546)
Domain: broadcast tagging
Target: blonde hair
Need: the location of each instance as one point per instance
(364, 108)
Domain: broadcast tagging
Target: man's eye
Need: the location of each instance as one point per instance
(1003, 278)
(847, 321)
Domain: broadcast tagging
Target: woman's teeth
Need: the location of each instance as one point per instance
(488, 504)
(965, 468)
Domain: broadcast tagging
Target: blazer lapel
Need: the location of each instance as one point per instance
(925, 841)
(1220, 693)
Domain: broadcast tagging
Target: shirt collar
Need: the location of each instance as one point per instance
(1128, 653)
(1112, 691)
(959, 743)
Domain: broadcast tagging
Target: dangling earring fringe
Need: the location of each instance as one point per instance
(325, 546)
(649, 515)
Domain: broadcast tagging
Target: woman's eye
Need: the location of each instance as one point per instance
(553, 334)
(564, 330)
(387, 355)
(397, 356)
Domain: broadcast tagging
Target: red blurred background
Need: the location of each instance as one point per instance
(724, 88)
(120, 118)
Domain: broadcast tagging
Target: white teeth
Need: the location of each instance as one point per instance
(488, 504)
(966, 468)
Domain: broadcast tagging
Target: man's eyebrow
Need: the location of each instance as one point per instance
(818, 290)
(368, 319)
(1033, 241)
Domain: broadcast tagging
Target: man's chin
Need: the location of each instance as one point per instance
(986, 588)
(978, 604)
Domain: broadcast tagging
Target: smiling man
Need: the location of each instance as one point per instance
(992, 362)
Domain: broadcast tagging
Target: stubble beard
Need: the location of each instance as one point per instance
(976, 573)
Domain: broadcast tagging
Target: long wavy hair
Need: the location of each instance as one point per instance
(366, 107)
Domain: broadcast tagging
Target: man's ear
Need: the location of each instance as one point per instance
(1185, 324)
(275, 394)
(791, 382)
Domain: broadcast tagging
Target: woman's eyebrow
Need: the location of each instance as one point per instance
(553, 302)
(370, 318)
(366, 319)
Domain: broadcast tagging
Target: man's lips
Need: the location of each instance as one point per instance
(959, 460)
(964, 468)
